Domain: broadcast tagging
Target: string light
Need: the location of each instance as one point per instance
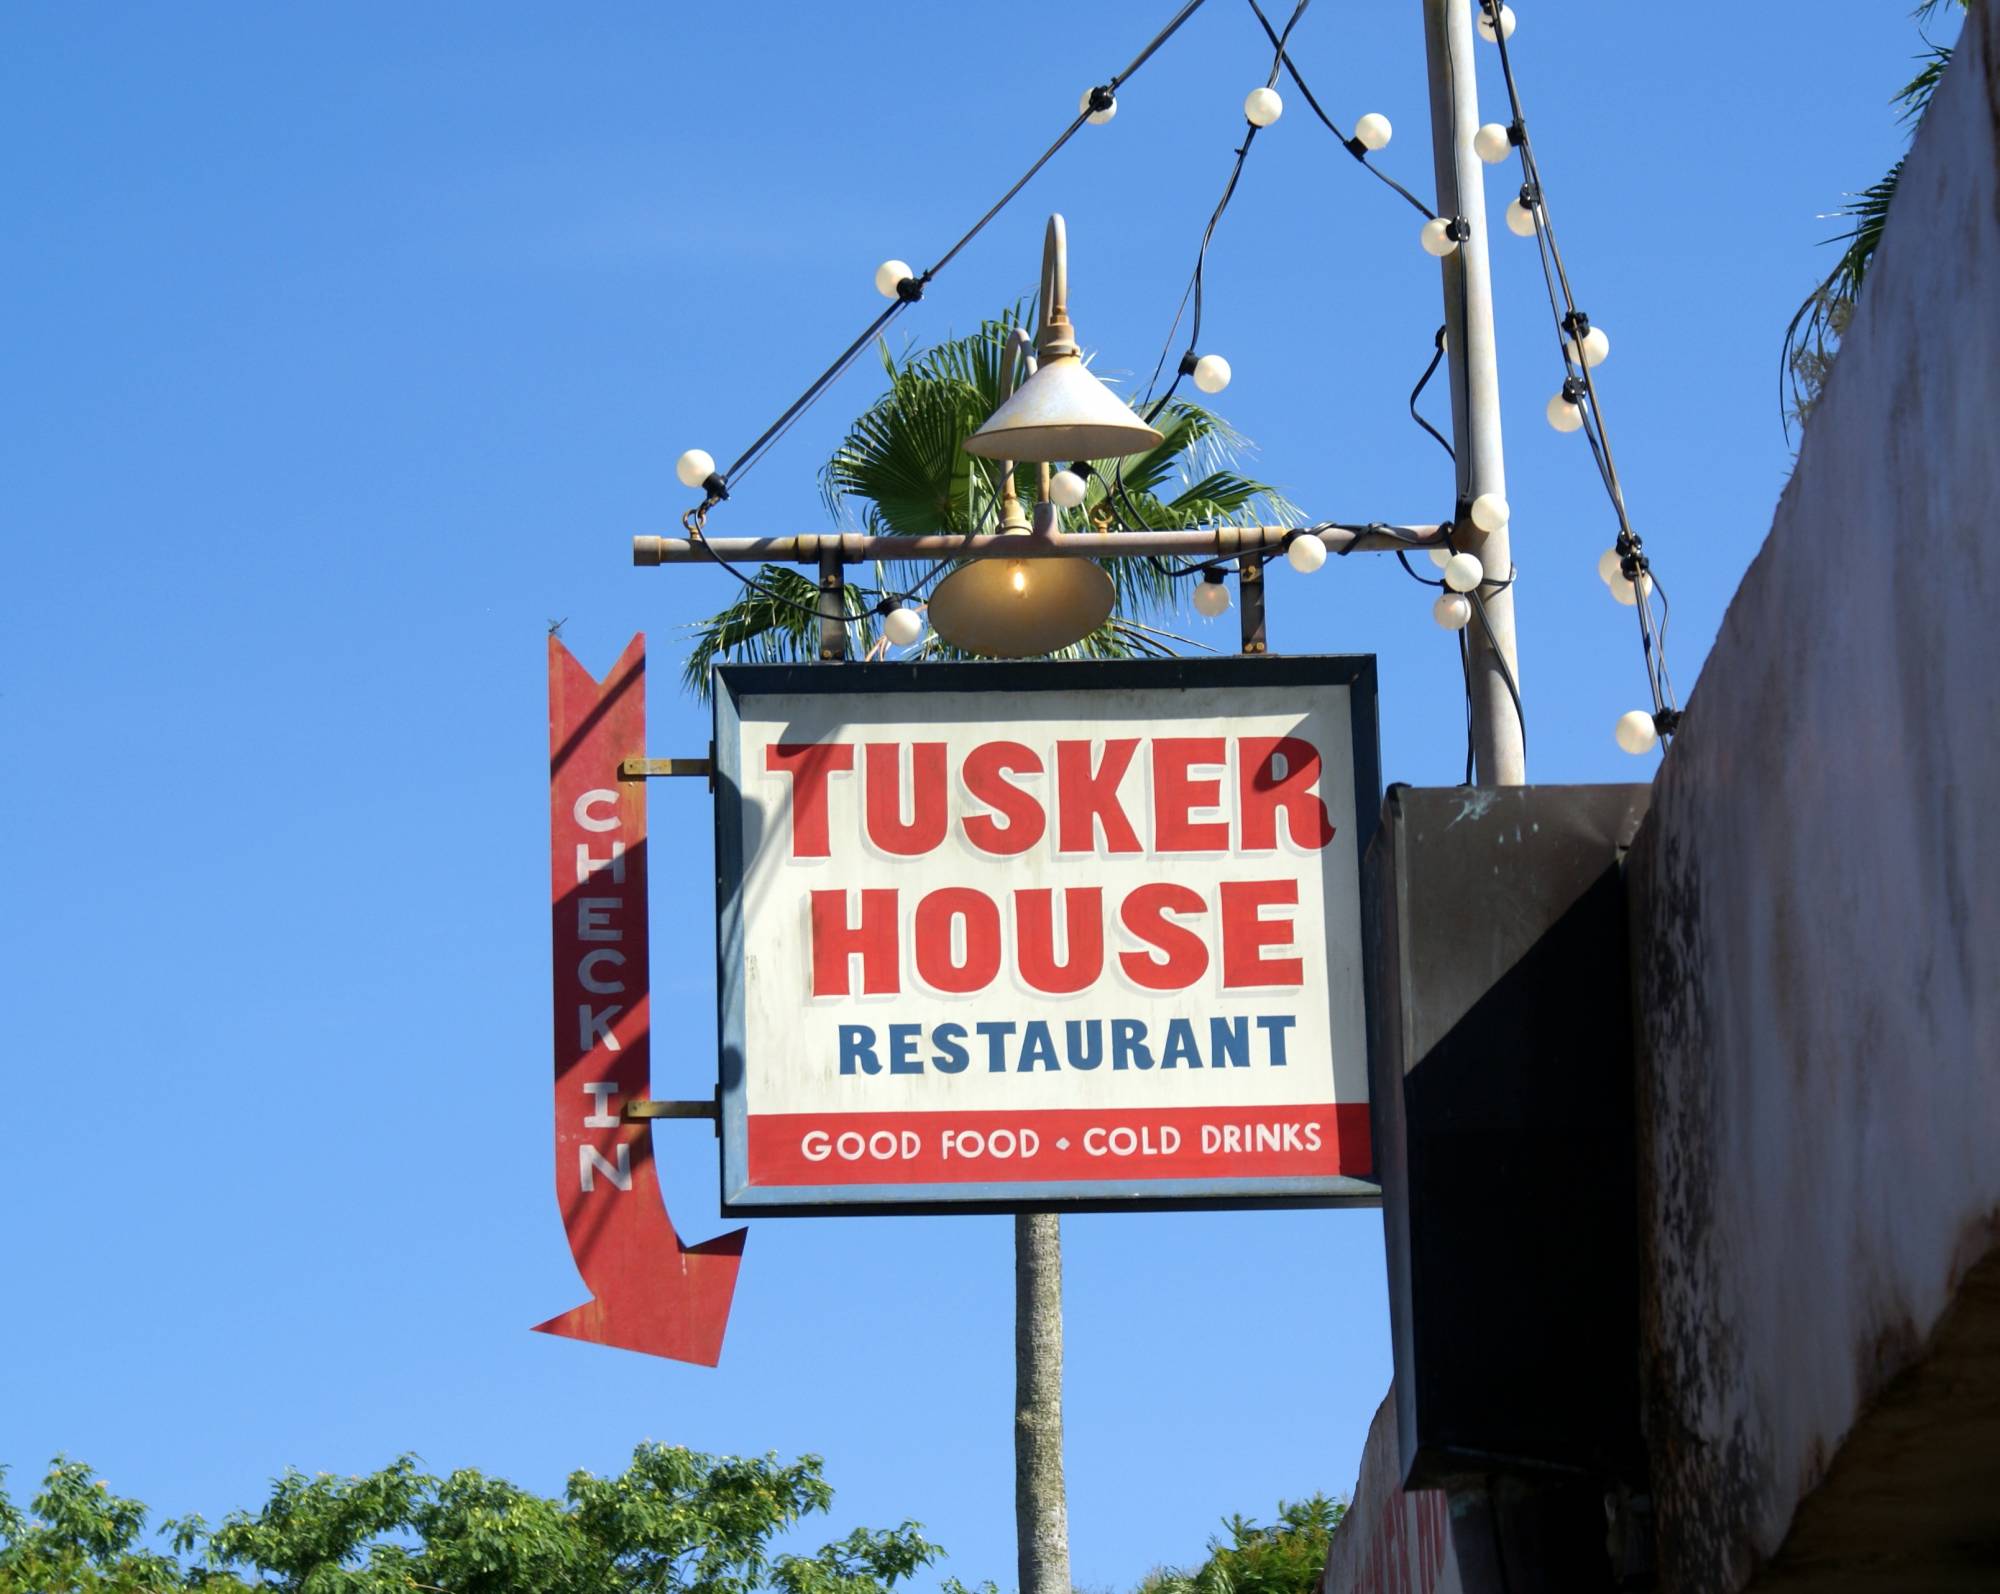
(1211, 596)
(903, 626)
(1305, 553)
(1263, 106)
(890, 276)
(1094, 117)
(1565, 414)
(1627, 591)
(1636, 732)
(1440, 557)
(1374, 131)
(1211, 373)
(1486, 22)
(1452, 610)
(694, 467)
(1607, 565)
(1492, 144)
(1067, 489)
(1438, 237)
(1489, 512)
(1463, 572)
(1592, 351)
(1521, 216)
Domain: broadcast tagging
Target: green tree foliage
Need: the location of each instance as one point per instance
(902, 471)
(1814, 335)
(1285, 1558)
(674, 1522)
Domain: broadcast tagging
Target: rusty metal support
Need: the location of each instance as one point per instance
(649, 768)
(635, 1111)
(832, 607)
(859, 548)
(1250, 600)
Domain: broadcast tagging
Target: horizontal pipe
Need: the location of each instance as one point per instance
(860, 548)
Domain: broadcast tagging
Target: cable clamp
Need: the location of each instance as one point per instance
(1460, 228)
(1666, 720)
(910, 290)
(1188, 363)
(1573, 389)
(1576, 324)
(1517, 132)
(1356, 148)
(1102, 98)
(1530, 195)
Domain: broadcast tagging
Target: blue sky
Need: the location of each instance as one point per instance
(347, 347)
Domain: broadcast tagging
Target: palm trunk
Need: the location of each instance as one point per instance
(1041, 1511)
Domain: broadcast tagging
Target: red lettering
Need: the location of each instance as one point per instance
(1184, 956)
(937, 964)
(982, 771)
(809, 764)
(1087, 797)
(1083, 936)
(834, 941)
(1264, 792)
(884, 801)
(1246, 933)
(1176, 793)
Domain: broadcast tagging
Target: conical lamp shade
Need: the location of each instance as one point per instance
(1062, 412)
(1005, 608)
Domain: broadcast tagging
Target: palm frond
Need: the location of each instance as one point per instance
(772, 621)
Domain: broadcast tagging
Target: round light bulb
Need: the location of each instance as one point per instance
(1627, 592)
(1463, 572)
(1306, 554)
(1211, 598)
(1593, 351)
(1492, 143)
(1262, 107)
(1211, 373)
(1067, 489)
(1486, 28)
(1636, 732)
(1520, 219)
(1017, 578)
(1489, 512)
(903, 626)
(1437, 238)
(1565, 414)
(1452, 610)
(695, 467)
(1609, 565)
(889, 274)
(1374, 130)
(1097, 118)
(1440, 557)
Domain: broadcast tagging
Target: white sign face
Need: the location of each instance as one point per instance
(1022, 934)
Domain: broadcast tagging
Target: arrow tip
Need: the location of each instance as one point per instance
(679, 1312)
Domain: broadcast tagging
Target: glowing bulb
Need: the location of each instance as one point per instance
(1437, 238)
(903, 626)
(1565, 414)
(1440, 557)
(1305, 554)
(1211, 373)
(1017, 577)
(1067, 489)
(1636, 732)
(1486, 28)
(1489, 512)
(889, 274)
(1492, 143)
(1463, 572)
(694, 467)
(1097, 118)
(1609, 565)
(1211, 598)
(1594, 349)
(1373, 130)
(1262, 107)
(1452, 610)
(1520, 219)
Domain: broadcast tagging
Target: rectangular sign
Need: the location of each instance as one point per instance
(1002, 935)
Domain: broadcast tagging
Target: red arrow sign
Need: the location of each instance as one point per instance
(650, 1292)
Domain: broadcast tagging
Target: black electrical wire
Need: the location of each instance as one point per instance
(1417, 392)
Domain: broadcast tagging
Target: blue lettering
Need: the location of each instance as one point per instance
(903, 1058)
(1037, 1046)
(857, 1045)
(996, 1052)
(1180, 1045)
(1074, 1030)
(1275, 1026)
(1229, 1038)
(954, 1056)
(1128, 1044)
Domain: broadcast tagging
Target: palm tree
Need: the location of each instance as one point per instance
(903, 467)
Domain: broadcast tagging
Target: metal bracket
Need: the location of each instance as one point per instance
(648, 768)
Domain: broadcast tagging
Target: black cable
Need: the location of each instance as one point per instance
(1417, 392)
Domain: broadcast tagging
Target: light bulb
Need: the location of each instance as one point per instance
(1017, 578)
(1211, 598)
(1486, 29)
(1440, 557)
(1067, 489)
(1609, 565)
(1520, 219)
(1627, 592)
(694, 467)
(1636, 732)
(1262, 107)
(1594, 349)
(1489, 512)
(1565, 414)
(1097, 118)
(1437, 238)
(903, 626)
(889, 274)
(1211, 373)
(1492, 143)
(1463, 572)
(1452, 610)
(1305, 554)
(1373, 130)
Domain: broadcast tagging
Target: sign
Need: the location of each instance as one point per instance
(1028, 934)
(650, 1291)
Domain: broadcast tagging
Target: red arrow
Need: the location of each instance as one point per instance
(651, 1292)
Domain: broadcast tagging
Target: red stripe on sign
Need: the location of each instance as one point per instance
(1129, 1144)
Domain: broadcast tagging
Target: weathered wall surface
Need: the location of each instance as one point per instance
(1391, 1542)
(1816, 898)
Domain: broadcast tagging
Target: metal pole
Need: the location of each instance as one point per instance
(832, 607)
(1475, 382)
